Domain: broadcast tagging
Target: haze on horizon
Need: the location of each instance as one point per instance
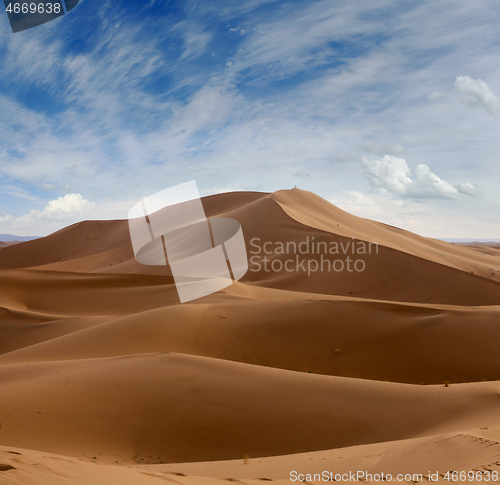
(389, 111)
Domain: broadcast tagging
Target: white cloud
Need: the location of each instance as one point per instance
(63, 208)
(428, 184)
(475, 92)
(196, 41)
(467, 188)
(6, 219)
(56, 214)
(392, 175)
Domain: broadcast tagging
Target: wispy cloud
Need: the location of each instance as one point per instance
(20, 193)
(475, 92)
(195, 40)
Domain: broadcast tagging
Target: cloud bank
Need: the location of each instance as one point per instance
(392, 175)
(62, 210)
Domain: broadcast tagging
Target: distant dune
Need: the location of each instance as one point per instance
(11, 237)
(390, 364)
(4, 244)
(10, 240)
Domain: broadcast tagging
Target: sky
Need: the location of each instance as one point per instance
(388, 109)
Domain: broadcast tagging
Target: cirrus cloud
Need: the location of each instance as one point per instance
(475, 92)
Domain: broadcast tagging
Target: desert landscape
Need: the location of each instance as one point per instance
(106, 378)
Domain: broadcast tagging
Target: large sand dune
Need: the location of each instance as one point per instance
(393, 368)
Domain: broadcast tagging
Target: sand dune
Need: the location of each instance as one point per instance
(344, 337)
(99, 359)
(177, 407)
(314, 211)
(424, 459)
(475, 450)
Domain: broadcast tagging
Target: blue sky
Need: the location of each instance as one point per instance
(388, 109)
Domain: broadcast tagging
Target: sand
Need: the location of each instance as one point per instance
(4, 244)
(106, 378)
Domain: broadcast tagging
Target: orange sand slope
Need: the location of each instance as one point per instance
(4, 244)
(419, 460)
(99, 359)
